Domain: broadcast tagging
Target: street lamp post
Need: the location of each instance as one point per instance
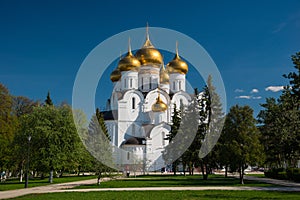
(27, 166)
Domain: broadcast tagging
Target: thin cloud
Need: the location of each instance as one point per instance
(243, 97)
(274, 88)
(238, 90)
(292, 20)
(279, 27)
(254, 91)
(248, 97)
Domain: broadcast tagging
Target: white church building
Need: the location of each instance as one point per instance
(142, 102)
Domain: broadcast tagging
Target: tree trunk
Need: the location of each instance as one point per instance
(79, 168)
(205, 176)
(99, 178)
(226, 171)
(21, 175)
(193, 168)
(61, 172)
(202, 170)
(174, 166)
(241, 175)
(51, 176)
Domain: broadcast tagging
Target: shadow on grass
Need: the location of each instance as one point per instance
(174, 181)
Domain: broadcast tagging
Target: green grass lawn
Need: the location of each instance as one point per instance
(12, 184)
(257, 175)
(166, 195)
(174, 181)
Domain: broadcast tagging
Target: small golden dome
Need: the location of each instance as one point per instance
(177, 65)
(129, 62)
(164, 76)
(115, 75)
(148, 54)
(159, 105)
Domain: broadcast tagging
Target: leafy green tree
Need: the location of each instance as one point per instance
(271, 120)
(53, 138)
(242, 139)
(7, 124)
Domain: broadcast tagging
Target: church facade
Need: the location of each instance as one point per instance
(142, 101)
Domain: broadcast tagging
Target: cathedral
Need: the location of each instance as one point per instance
(145, 91)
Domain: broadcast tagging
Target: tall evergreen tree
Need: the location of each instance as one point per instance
(102, 124)
(281, 122)
(48, 100)
(175, 124)
(209, 129)
(98, 144)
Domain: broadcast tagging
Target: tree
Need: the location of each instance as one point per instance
(211, 118)
(97, 142)
(7, 124)
(48, 100)
(167, 154)
(190, 157)
(241, 138)
(53, 138)
(271, 121)
(280, 123)
(294, 78)
(22, 105)
(102, 124)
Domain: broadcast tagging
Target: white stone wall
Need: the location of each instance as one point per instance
(177, 82)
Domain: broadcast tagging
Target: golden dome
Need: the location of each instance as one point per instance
(159, 105)
(148, 54)
(177, 65)
(115, 75)
(164, 76)
(129, 62)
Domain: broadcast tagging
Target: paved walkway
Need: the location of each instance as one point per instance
(65, 187)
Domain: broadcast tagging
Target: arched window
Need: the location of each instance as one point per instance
(133, 103)
(179, 85)
(142, 85)
(130, 83)
(163, 138)
(125, 83)
(150, 82)
(181, 103)
(128, 155)
(174, 85)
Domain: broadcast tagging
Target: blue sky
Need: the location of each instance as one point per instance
(43, 43)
